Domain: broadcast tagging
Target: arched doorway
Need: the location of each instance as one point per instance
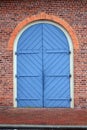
(43, 68)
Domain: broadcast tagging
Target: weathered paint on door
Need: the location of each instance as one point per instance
(43, 67)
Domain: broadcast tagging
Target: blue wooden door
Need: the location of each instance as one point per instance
(56, 67)
(43, 67)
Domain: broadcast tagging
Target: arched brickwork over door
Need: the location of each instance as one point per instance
(42, 20)
(43, 16)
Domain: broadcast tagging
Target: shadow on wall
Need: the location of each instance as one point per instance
(44, 128)
(56, 129)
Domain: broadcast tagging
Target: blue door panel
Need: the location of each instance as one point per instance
(57, 90)
(57, 103)
(29, 37)
(56, 68)
(54, 39)
(28, 94)
(29, 68)
(29, 65)
(43, 67)
(55, 64)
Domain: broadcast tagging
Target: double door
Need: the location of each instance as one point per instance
(43, 67)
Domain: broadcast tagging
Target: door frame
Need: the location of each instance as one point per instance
(71, 60)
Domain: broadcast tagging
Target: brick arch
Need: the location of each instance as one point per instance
(43, 16)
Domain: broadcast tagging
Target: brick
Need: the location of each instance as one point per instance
(70, 14)
(44, 116)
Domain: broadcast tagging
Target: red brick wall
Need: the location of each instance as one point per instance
(12, 12)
